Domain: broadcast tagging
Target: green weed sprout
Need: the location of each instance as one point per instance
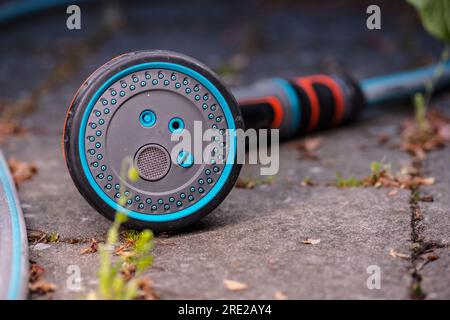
(118, 274)
(349, 182)
(435, 18)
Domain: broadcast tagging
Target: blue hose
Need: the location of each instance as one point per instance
(13, 240)
(403, 85)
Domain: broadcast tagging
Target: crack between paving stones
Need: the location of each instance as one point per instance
(419, 244)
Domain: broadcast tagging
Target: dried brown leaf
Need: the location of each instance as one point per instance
(146, 290)
(430, 256)
(417, 213)
(9, 128)
(124, 247)
(245, 183)
(311, 241)
(93, 247)
(36, 285)
(279, 295)
(36, 236)
(234, 285)
(36, 271)
(444, 132)
(127, 254)
(395, 254)
(307, 182)
(41, 287)
(383, 138)
(166, 242)
(406, 179)
(393, 193)
(308, 146)
(21, 171)
(128, 270)
(426, 198)
(427, 257)
(425, 181)
(432, 135)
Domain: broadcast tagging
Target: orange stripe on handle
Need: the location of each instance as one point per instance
(274, 103)
(338, 95)
(306, 84)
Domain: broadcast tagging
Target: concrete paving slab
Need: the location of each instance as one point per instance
(436, 276)
(262, 246)
(437, 213)
(74, 274)
(436, 223)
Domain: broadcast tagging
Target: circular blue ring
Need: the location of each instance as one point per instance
(228, 165)
(180, 125)
(185, 159)
(147, 118)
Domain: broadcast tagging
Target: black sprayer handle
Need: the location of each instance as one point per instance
(310, 103)
(299, 105)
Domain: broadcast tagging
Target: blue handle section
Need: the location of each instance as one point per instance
(403, 85)
(294, 104)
